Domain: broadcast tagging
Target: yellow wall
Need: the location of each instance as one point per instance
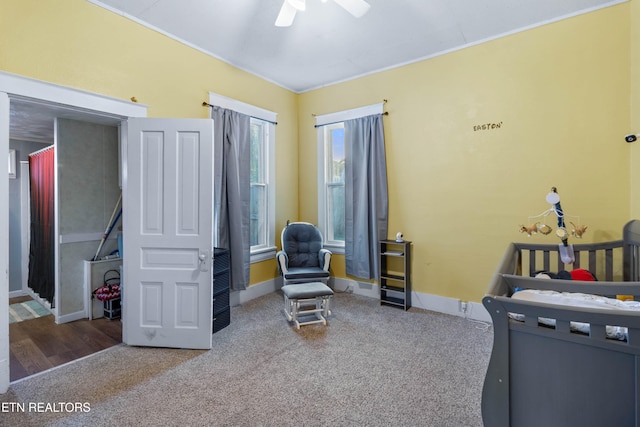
(560, 93)
(634, 95)
(77, 44)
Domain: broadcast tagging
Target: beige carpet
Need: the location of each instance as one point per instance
(372, 366)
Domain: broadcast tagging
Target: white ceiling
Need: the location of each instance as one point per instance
(34, 121)
(326, 44)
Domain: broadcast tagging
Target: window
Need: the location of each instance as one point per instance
(333, 184)
(332, 155)
(259, 210)
(263, 195)
(262, 175)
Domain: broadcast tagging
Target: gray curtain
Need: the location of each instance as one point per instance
(366, 196)
(232, 190)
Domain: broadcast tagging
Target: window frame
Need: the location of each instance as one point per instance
(267, 251)
(324, 217)
(322, 121)
(266, 182)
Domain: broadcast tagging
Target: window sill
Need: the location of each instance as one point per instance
(335, 249)
(263, 254)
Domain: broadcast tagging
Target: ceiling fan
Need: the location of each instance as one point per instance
(289, 8)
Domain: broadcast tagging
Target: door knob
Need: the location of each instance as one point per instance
(204, 263)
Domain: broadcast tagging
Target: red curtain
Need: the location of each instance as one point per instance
(41, 251)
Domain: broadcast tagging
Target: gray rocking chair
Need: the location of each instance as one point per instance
(302, 258)
(304, 265)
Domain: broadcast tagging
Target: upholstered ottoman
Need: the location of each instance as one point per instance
(306, 299)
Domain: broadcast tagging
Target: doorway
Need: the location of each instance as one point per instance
(18, 88)
(86, 187)
(86, 190)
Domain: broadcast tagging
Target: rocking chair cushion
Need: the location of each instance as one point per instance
(306, 273)
(306, 290)
(302, 258)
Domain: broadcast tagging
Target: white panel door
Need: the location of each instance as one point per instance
(167, 235)
(4, 246)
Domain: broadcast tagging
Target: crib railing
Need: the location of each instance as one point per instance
(598, 258)
(631, 247)
(615, 262)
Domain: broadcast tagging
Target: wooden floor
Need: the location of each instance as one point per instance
(39, 344)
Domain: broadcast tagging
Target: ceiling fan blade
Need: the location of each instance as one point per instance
(355, 7)
(286, 15)
(298, 4)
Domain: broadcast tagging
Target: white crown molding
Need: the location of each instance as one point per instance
(38, 91)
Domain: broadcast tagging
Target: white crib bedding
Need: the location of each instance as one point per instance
(577, 300)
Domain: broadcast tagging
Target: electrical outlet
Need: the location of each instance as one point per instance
(463, 306)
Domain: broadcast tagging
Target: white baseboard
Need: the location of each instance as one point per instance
(446, 305)
(370, 290)
(16, 294)
(66, 318)
(59, 319)
(252, 292)
(453, 306)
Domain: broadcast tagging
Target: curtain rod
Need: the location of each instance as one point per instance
(42, 150)
(385, 113)
(206, 104)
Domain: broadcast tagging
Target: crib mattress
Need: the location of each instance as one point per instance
(574, 299)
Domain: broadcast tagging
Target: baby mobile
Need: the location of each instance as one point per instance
(540, 226)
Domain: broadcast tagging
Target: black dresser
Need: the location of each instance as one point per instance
(221, 274)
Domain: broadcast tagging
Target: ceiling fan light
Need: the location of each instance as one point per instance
(298, 4)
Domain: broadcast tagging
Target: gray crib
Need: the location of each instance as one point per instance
(550, 376)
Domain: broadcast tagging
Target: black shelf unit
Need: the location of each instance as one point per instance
(395, 273)
(221, 272)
